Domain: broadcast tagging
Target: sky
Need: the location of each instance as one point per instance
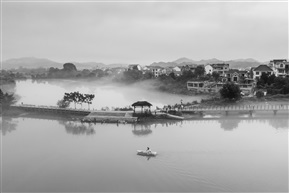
(144, 32)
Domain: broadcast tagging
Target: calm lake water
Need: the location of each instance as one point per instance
(227, 154)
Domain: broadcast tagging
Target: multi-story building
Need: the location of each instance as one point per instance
(280, 67)
(220, 68)
(157, 70)
(236, 75)
(233, 75)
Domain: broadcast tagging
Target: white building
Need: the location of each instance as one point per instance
(280, 67)
(262, 69)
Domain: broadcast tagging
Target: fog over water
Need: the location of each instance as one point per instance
(106, 94)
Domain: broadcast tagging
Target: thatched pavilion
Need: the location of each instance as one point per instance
(141, 104)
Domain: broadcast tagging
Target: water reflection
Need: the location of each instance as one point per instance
(144, 128)
(39, 81)
(229, 124)
(279, 123)
(141, 129)
(77, 128)
(147, 157)
(7, 125)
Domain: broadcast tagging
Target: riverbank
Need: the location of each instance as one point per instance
(267, 100)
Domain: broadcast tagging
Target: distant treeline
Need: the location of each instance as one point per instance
(69, 70)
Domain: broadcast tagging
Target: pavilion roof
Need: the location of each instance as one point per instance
(141, 104)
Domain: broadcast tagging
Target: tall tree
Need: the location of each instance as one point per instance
(88, 99)
(69, 98)
(230, 91)
(216, 76)
(199, 71)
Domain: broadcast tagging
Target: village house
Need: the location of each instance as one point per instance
(208, 69)
(134, 67)
(177, 71)
(189, 67)
(261, 69)
(243, 73)
(220, 68)
(280, 67)
(233, 75)
(117, 70)
(157, 70)
(146, 69)
(214, 87)
(236, 75)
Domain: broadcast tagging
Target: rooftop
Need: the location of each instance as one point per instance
(141, 104)
(219, 65)
(263, 68)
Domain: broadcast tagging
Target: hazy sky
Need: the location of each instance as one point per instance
(144, 32)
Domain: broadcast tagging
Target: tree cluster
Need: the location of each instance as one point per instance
(273, 84)
(9, 77)
(76, 98)
(6, 100)
(69, 70)
(131, 76)
(230, 91)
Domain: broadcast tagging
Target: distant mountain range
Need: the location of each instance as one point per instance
(238, 63)
(31, 62)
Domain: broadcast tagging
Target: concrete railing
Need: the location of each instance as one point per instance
(284, 107)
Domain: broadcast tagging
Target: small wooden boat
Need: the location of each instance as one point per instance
(170, 116)
(146, 153)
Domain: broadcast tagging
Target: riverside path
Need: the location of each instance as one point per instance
(50, 109)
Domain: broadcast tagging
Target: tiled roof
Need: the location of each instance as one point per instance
(263, 68)
(231, 71)
(156, 67)
(219, 64)
(278, 60)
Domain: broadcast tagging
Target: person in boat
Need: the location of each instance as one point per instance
(148, 150)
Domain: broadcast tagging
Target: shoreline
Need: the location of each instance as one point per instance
(209, 115)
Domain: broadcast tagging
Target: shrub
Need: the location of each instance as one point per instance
(63, 103)
(259, 94)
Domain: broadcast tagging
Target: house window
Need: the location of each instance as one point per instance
(257, 73)
(281, 71)
(191, 84)
(281, 65)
